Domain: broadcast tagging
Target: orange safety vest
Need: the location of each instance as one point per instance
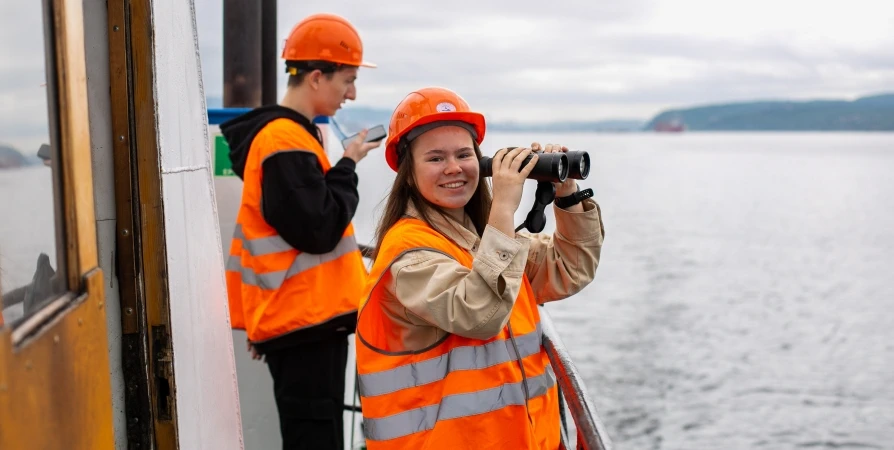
(274, 289)
(460, 393)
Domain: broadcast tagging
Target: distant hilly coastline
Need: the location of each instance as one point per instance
(11, 158)
(871, 113)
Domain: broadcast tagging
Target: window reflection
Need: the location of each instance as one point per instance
(31, 255)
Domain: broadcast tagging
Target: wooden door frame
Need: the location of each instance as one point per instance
(55, 387)
(147, 355)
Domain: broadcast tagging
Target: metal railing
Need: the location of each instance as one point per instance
(591, 434)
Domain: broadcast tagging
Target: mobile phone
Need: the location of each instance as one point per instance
(376, 133)
(44, 152)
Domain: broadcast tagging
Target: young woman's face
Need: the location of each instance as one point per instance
(445, 166)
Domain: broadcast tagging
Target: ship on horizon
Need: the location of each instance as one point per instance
(670, 126)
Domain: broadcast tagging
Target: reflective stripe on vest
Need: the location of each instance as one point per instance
(456, 406)
(459, 358)
(276, 244)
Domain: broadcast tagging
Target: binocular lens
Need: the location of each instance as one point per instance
(550, 166)
(580, 165)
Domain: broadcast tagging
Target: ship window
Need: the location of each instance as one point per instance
(32, 250)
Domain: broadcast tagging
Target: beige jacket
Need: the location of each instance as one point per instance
(430, 294)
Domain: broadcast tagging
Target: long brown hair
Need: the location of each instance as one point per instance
(404, 191)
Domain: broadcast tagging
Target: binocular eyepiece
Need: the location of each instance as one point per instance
(550, 166)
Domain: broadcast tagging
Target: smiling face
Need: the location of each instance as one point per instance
(445, 167)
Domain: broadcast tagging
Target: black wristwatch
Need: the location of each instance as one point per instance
(573, 199)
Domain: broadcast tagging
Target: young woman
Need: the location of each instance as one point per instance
(449, 350)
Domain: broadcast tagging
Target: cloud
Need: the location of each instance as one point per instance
(23, 104)
(527, 60)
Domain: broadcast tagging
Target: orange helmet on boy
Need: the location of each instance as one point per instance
(325, 37)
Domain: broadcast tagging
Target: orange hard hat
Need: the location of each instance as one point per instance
(426, 106)
(325, 37)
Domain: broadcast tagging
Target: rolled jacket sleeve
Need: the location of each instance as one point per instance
(561, 264)
(437, 290)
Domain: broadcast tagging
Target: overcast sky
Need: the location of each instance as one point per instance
(545, 60)
(552, 60)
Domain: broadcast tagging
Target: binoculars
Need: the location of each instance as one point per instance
(550, 166)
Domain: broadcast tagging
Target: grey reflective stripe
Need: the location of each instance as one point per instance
(261, 246)
(304, 261)
(460, 358)
(541, 383)
(233, 264)
(456, 406)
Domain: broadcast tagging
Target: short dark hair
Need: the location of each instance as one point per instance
(299, 69)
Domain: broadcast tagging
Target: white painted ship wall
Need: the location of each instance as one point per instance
(206, 394)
